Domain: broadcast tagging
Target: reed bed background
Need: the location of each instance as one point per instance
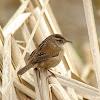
(31, 24)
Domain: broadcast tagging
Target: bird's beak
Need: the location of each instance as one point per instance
(69, 41)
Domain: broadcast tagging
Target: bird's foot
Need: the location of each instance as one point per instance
(52, 74)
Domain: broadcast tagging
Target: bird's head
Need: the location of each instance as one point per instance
(59, 39)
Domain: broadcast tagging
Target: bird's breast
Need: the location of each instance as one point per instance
(52, 62)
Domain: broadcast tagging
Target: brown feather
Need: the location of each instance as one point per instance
(24, 69)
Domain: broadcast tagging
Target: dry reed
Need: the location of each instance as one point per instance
(33, 24)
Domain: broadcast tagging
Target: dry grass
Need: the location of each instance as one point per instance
(33, 24)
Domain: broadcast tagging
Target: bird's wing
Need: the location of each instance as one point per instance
(32, 54)
(47, 51)
(35, 51)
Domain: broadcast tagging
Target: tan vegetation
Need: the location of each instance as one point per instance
(32, 23)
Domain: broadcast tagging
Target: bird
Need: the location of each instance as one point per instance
(47, 55)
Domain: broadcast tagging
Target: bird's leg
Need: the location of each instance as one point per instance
(38, 71)
(52, 74)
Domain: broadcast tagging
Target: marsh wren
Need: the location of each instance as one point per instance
(48, 54)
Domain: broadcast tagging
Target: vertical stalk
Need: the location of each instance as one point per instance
(88, 9)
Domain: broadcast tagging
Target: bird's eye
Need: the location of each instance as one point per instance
(60, 41)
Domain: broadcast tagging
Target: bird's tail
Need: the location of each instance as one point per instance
(24, 69)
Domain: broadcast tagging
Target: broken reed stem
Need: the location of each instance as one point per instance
(88, 9)
(41, 86)
(36, 83)
(50, 18)
(6, 77)
(57, 89)
(17, 22)
(71, 91)
(26, 36)
(20, 10)
(38, 34)
(24, 89)
(87, 90)
(44, 84)
(43, 25)
(17, 56)
(1, 35)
